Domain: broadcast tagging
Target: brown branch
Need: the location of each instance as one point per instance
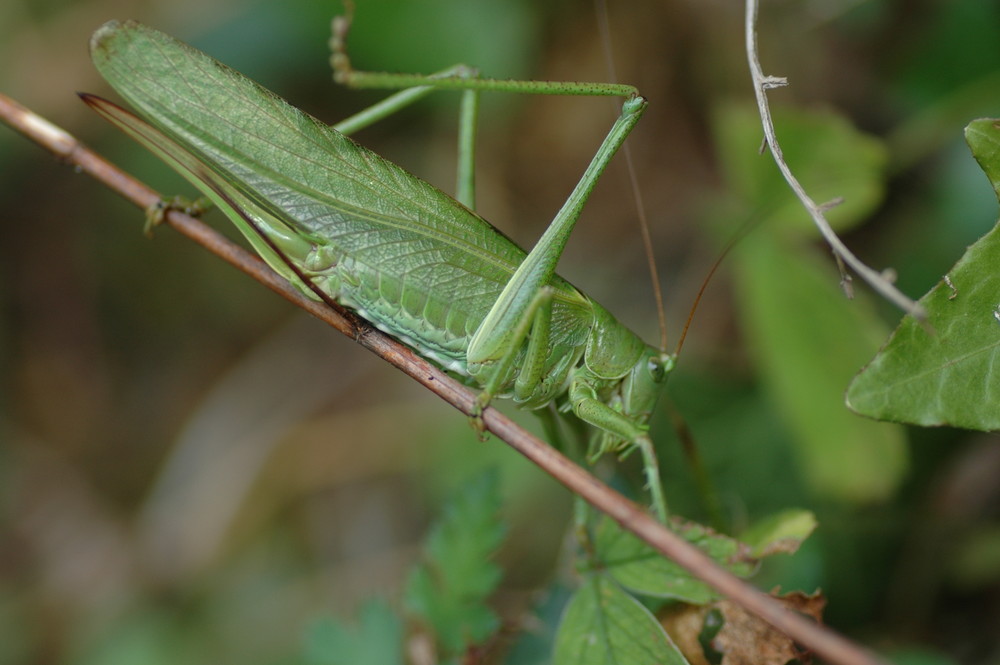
(632, 517)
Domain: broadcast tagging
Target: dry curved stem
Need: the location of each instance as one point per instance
(763, 83)
(832, 647)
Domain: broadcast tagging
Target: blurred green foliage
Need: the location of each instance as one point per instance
(190, 472)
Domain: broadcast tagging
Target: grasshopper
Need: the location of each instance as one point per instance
(343, 224)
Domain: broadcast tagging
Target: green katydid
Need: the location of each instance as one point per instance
(343, 224)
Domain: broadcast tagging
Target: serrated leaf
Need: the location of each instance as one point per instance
(947, 373)
(639, 568)
(779, 533)
(603, 625)
(830, 158)
(806, 338)
(448, 590)
(376, 640)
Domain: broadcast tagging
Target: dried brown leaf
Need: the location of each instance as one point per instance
(744, 639)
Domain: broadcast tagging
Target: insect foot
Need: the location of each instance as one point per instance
(476, 418)
(156, 213)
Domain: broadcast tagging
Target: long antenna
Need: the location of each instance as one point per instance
(604, 27)
(730, 244)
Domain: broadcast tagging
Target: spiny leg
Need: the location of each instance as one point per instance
(345, 74)
(504, 328)
(468, 121)
(458, 77)
(627, 433)
(533, 326)
(651, 469)
(461, 77)
(495, 334)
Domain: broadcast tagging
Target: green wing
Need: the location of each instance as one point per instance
(410, 258)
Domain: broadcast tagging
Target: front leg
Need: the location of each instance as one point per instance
(625, 435)
(156, 213)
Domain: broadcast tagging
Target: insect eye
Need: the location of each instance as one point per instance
(655, 368)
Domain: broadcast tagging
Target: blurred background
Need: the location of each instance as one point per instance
(191, 471)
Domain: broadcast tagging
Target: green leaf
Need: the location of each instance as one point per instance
(983, 137)
(603, 625)
(947, 373)
(448, 590)
(806, 338)
(639, 568)
(829, 157)
(376, 640)
(779, 533)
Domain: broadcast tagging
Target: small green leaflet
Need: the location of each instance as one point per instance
(603, 625)
(782, 532)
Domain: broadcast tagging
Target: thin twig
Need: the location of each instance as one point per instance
(761, 84)
(632, 517)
